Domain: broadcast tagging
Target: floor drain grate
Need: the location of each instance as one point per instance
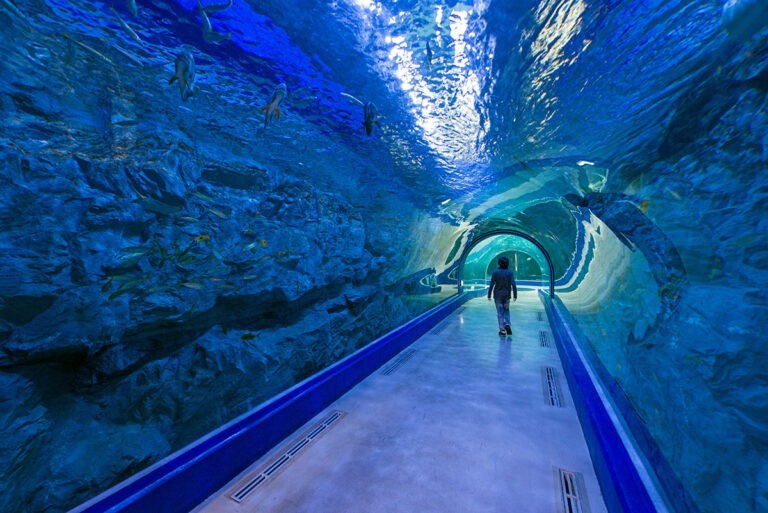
(540, 316)
(399, 361)
(552, 394)
(283, 459)
(440, 327)
(543, 339)
(574, 499)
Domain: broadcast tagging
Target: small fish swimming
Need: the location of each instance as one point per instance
(209, 34)
(127, 29)
(185, 73)
(273, 107)
(90, 49)
(370, 114)
(132, 7)
(369, 117)
(429, 55)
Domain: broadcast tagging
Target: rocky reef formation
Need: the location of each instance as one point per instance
(143, 305)
(698, 383)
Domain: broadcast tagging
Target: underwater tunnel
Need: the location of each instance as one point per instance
(529, 260)
(245, 250)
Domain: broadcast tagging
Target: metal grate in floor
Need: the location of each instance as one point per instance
(399, 361)
(551, 382)
(440, 327)
(572, 495)
(544, 339)
(281, 460)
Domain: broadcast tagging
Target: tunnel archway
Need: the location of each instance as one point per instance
(494, 233)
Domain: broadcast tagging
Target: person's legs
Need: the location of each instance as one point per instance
(505, 318)
(500, 314)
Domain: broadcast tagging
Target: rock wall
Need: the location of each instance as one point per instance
(144, 305)
(698, 382)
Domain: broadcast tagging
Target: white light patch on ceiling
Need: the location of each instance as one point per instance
(444, 95)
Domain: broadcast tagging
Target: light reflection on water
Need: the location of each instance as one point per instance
(442, 86)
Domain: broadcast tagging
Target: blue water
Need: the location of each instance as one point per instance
(168, 264)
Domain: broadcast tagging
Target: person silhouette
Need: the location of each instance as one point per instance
(503, 288)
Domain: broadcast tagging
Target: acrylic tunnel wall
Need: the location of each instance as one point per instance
(203, 205)
(531, 264)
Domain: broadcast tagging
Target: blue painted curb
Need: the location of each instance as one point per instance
(186, 478)
(623, 488)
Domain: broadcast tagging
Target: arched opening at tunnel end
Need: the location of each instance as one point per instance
(528, 258)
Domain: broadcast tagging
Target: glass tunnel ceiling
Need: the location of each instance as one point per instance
(628, 138)
(436, 116)
(440, 111)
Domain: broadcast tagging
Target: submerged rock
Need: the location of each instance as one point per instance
(24, 445)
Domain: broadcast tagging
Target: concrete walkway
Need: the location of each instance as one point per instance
(461, 421)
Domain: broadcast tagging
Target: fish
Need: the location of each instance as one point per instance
(429, 55)
(216, 37)
(90, 49)
(217, 213)
(215, 7)
(625, 218)
(272, 108)
(370, 114)
(126, 287)
(369, 117)
(204, 197)
(132, 7)
(209, 34)
(189, 219)
(206, 22)
(353, 99)
(127, 29)
(184, 72)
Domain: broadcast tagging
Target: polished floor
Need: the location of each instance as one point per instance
(461, 421)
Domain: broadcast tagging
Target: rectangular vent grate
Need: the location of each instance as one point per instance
(552, 395)
(543, 339)
(440, 327)
(540, 316)
(399, 361)
(284, 458)
(573, 496)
